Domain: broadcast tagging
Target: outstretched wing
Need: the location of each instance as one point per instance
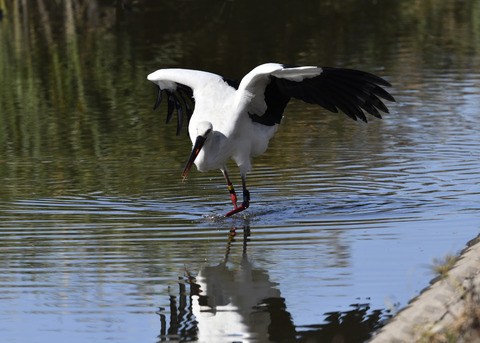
(181, 99)
(351, 91)
(179, 87)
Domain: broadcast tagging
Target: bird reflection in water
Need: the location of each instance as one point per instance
(242, 304)
(239, 303)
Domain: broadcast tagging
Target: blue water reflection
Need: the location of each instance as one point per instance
(97, 263)
(238, 301)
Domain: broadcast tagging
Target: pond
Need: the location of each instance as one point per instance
(100, 239)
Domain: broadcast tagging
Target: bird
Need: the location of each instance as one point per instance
(231, 119)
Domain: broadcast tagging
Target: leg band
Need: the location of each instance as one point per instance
(246, 196)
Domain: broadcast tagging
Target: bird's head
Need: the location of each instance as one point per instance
(204, 129)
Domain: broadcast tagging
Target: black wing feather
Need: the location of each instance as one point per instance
(180, 101)
(351, 91)
(186, 95)
(348, 90)
(159, 99)
(276, 101)
(178, 106)
(338, 91)
(171, 106)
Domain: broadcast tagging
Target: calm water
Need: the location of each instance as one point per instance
(101, 241)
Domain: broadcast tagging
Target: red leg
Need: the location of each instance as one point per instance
(233, 195)
(246, 200)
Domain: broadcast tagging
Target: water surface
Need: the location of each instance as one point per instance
(101, 241)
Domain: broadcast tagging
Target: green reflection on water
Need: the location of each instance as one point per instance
(76, 108)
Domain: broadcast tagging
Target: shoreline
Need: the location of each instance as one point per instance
(446, 311)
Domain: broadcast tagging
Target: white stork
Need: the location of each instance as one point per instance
(236, 120)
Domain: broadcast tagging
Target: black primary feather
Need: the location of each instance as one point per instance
(171, 106)
(178, 101)
(159, 98)
(178, 106)
(186, 94)
(351, 91)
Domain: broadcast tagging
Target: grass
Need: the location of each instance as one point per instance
(466, 327)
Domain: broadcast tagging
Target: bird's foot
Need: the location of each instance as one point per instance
(244, 206)
(241, 208)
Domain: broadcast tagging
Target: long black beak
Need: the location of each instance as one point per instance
(196, 149)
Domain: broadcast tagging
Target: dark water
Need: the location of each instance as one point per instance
(101, 241)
